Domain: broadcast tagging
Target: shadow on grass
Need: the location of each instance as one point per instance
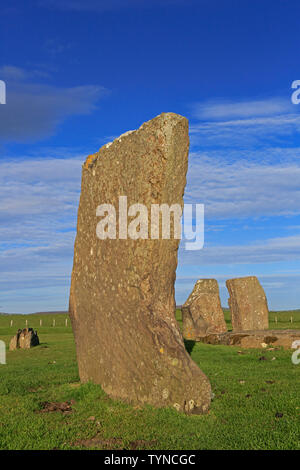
(189, 345)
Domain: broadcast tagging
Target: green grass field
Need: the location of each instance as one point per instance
(256, 403)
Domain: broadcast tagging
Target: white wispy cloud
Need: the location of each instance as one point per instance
(270, 277)
(226, 110)
(244, 124)
(34, 193)
(242, 189)
(245, 133)
(33, 110)
(38, 209)
(249, 158)
(262, 251)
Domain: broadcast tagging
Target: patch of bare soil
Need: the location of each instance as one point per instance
(63, 407)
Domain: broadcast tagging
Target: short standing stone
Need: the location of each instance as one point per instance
(248, 304)
(24, 339)
(122, 303)
(202, 313)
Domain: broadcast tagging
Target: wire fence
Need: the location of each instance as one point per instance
(16, 322)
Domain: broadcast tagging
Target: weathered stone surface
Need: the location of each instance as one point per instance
(202, 313)
(248, 304)
(24, 339)
(258, 339)
(13, 345)
(122, 303)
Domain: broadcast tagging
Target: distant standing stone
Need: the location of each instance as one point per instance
(202, 313)
(24, 339)
(122, 304)
(248, 304)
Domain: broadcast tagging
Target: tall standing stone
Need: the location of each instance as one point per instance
(248, 304)
(202, 313)
(122, 302)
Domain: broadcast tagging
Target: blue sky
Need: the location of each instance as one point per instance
(79, 73)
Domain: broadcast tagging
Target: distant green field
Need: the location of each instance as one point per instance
(256, 403)
(289, 319)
